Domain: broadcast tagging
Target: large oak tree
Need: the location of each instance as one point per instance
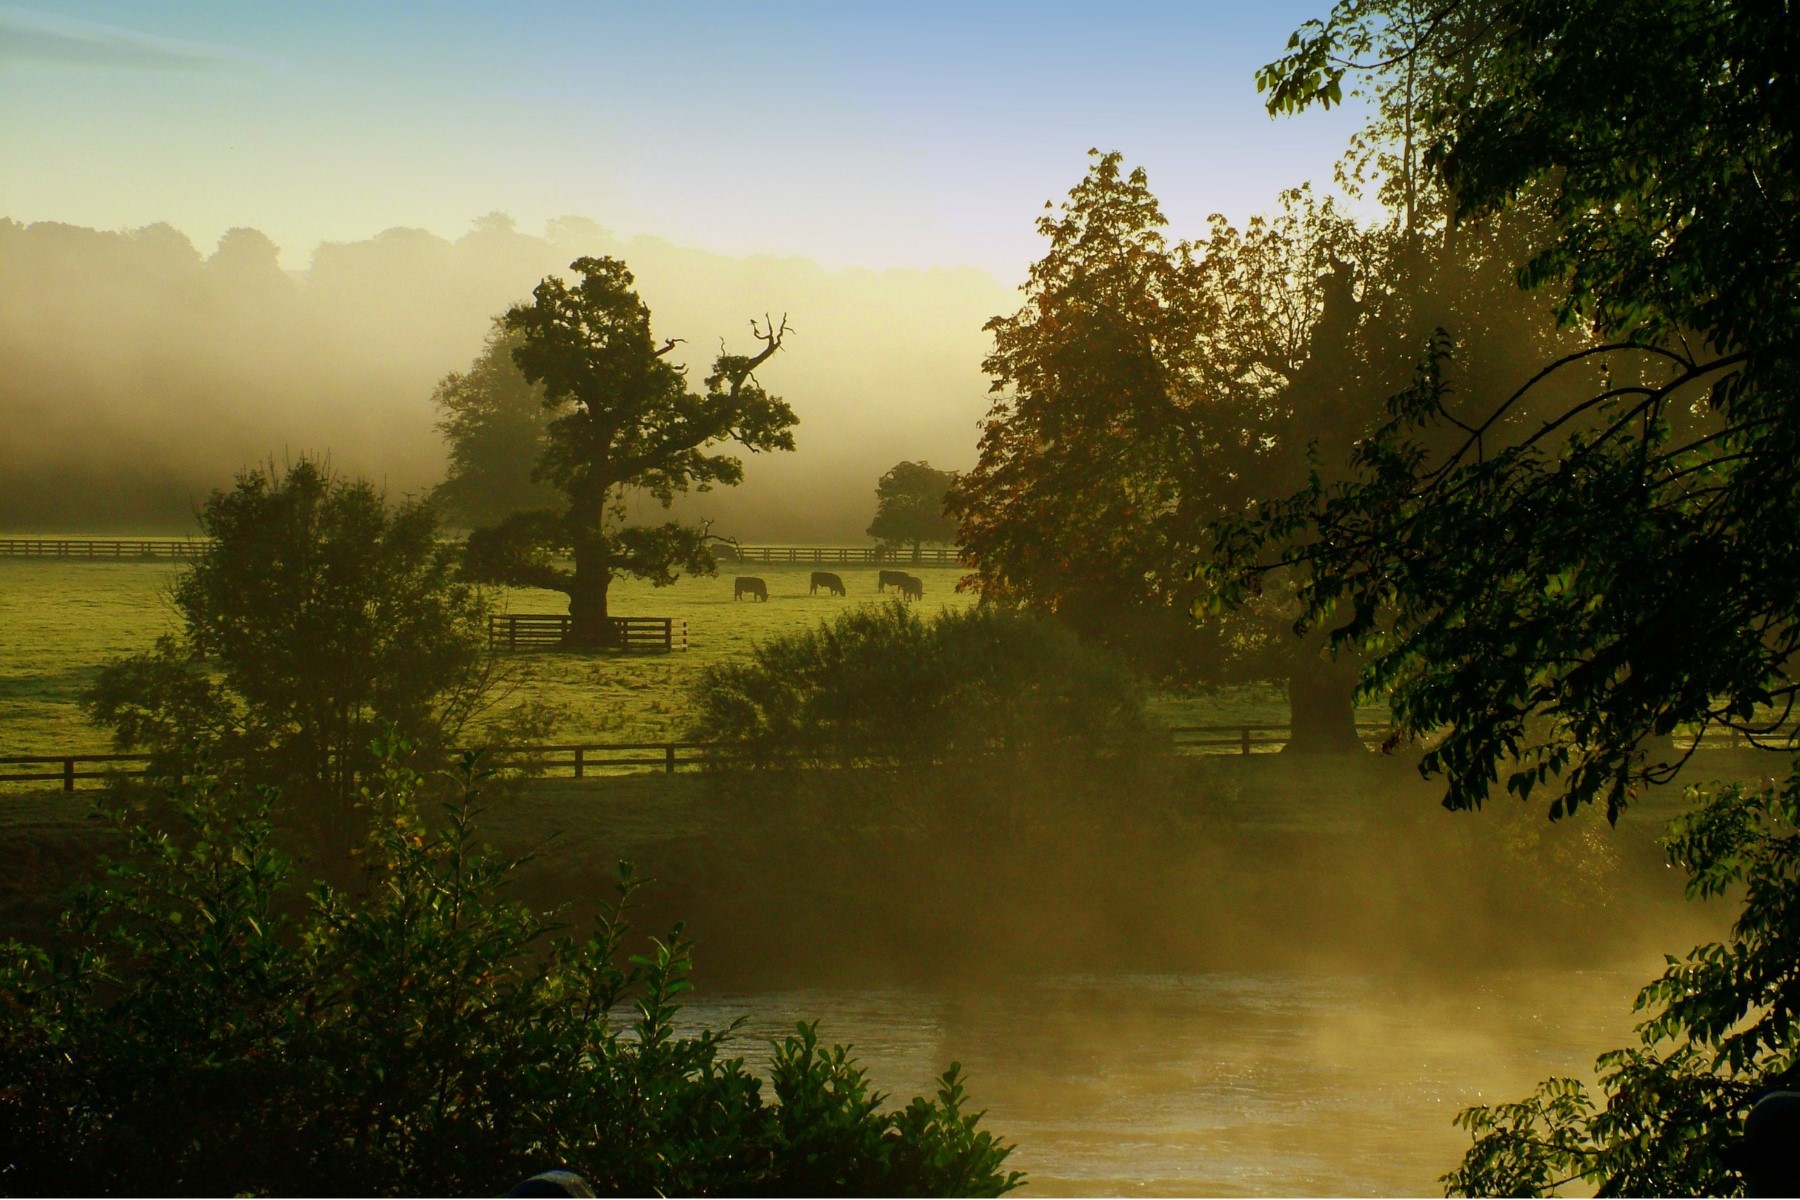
(625, 421)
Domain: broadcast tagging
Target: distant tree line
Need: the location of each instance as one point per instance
(137, 372)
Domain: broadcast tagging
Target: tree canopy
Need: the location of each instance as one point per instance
(1146, 390)
(1137, 391)
(1553, 595)
(315, 617)
(626, 424)
(496, 425)
(1628, 563)
(909, 506)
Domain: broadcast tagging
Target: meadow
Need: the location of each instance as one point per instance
(60, 621)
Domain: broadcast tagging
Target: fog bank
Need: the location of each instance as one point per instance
(137, 373)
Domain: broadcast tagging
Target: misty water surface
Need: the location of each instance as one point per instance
(1223, 1083)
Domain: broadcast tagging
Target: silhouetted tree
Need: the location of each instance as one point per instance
(1628, 561)
(626, 420)
(497, 426)
(314, 618)
(1146, 390)
(909, 506)
(1550, 603)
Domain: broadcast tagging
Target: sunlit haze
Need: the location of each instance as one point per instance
(876, 174)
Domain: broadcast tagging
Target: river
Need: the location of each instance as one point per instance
(1220, 1084)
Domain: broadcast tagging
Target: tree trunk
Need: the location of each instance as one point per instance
(589, 624)
(1322, 704)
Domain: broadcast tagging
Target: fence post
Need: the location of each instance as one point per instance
(1245, 733)
(669, 759)
(669, 634)
(68, 774)
(579, 761)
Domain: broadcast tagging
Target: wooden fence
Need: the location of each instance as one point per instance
(593, 758)
(934, 556)
(102, 548)
(184, 548)
(576, 762)
(1253, 739)
(527, 631)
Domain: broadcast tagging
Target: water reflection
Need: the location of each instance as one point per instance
(1220, 1084)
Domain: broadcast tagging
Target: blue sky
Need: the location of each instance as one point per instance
(872, 135)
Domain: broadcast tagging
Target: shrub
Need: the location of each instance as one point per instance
(885, 686)
(315, 614)
(1721, 1032)
(201, 1029)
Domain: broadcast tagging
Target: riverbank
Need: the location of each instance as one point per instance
(1170, 865)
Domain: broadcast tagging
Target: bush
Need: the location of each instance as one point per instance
(315, 615)
(1721, 1032)
(201, 1029)
(885, 686)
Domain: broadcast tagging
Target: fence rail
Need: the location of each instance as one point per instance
(935, 556)
(579, 761)
(184, 548)
(526, 631)
(102, 548)
(1250, 739)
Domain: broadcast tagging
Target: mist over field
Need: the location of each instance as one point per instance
(138, 371)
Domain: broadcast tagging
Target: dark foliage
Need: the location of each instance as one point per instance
(1556, 599)
(201, 1029)
(886, 686)
(317, 615)
(1721, 1031)
(623, 420)
(496, 425)
(909, 506)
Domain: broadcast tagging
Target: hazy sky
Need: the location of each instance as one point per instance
(902, 134)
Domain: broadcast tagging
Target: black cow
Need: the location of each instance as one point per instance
(897, 578)
(749, 585)
(828, 581)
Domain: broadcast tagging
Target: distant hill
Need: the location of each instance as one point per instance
(136, 373)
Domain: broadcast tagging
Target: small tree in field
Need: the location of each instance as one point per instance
(627, 421)
(316, 616)
(909, 506)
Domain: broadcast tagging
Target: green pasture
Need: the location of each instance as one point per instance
(60, 620)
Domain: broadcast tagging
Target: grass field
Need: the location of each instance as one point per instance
(61, 620)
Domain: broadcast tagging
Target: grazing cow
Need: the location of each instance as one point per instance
(897, 578)
(828, 581)
(911, 588)
(749, 585)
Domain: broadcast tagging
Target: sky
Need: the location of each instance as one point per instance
(880, 136)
